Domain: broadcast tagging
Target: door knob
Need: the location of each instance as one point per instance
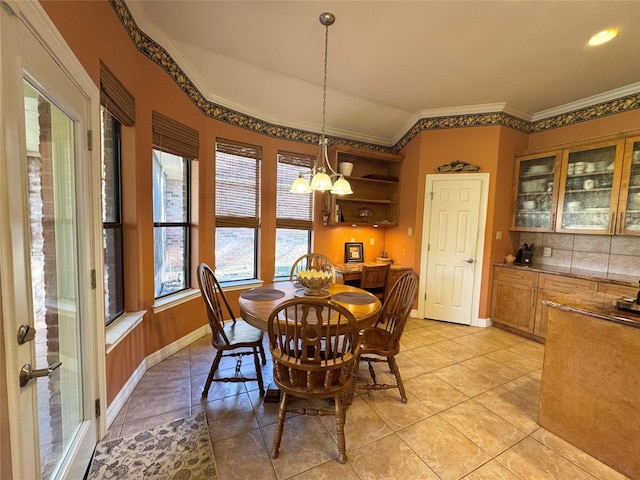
(27, 372)
(468, 260)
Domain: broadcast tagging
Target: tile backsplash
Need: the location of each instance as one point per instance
(618, 255)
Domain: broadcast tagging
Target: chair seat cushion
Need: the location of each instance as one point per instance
(241, 334)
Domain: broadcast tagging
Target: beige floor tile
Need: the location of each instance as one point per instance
(491, 471)
(144, 423)
(233, 454)
(530, 460)
(422, 336)
(491, 369)
(519, 411)
(527, 386)
(396, 414)
(154, 396)
(389, 458)
(447, 451)
(515, 360)
(306, 443)
(327, 470)
(430, 359)
(230, 416)
(577, 456)
(454, 350)
(363, 425)
(486, 429)
(465, 380)
(434, 392)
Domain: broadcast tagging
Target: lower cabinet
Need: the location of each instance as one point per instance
(518, 295)
(554, 287)
(513, 299)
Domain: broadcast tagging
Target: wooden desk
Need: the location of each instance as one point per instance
(352, 272)
(256, 311)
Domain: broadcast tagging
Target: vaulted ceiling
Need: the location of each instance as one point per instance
(391, 63)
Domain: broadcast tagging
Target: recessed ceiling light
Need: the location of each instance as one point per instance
(603, 36)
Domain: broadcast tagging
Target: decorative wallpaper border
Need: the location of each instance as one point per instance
(160, 56)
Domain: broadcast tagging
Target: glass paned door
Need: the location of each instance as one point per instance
(536, 193)
(52, 220)
(631, 208)
(49, 247)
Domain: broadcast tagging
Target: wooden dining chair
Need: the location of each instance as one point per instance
(374, 279)
(314, 343)
(312, 261)
(381, 342)
(231, 338)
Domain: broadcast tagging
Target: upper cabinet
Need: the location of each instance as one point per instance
(629, 202)
(375, 181)
(590, 188)
(536, 191)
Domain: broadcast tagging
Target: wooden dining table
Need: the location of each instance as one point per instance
(256, 304)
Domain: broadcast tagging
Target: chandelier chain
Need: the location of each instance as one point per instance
(324, 82)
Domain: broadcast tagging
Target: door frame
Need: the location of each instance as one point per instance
(479, 254)
(90, 253)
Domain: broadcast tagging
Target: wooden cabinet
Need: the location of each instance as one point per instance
(555, 287)
(536, 191)
(513, 299)
(628, 221)
(588, 188)
(518, 296)
(375, 181)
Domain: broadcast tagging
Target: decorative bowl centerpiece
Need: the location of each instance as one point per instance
(314, 281)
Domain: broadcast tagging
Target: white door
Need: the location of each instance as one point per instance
(49, 302)
(455, 209)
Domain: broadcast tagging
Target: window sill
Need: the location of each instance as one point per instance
(174, 300)
(121, 327)
(241, 285)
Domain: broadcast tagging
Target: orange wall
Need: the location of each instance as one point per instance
(95, 33)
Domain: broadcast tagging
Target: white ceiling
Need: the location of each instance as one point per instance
(393, 62)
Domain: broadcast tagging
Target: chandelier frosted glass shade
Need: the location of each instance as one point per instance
(341, 187)
(300, 185)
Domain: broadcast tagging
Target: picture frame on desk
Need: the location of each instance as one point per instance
(353, 252)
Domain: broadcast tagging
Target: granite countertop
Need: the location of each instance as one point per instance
(625, 280)
(602, 310)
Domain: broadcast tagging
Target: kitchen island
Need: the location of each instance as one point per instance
(590, 391)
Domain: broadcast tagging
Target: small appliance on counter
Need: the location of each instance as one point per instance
(629, 303)
(525, 254)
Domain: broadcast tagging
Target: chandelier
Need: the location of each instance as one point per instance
(321, 180)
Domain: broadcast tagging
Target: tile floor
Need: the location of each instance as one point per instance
(471, 414)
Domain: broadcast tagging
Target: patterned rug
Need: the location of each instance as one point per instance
(180, 450)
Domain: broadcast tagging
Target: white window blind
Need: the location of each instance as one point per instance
(293, 210)
(238, 171)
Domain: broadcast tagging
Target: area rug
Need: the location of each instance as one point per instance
(180, 450)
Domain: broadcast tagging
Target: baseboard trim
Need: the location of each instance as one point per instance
(481, 322)
(156, 357)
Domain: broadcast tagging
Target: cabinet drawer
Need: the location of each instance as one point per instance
(566, 284)
(519, 277)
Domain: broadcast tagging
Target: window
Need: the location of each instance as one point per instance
(238, 170)
(112, 218)
(174, 144)
(294, 213)
(118, 109)
(171, 223)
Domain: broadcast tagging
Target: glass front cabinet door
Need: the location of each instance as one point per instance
(628, 221)
(590, 188)
(536, 191)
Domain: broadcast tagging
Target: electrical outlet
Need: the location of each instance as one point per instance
(372, 241)
(499, 235)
